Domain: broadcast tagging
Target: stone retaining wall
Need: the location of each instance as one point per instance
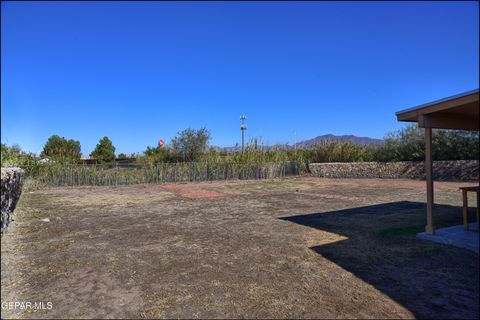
(11, 188)
(461, 170)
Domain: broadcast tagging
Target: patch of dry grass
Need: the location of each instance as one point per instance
(292, 248)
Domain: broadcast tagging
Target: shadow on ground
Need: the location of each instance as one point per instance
(431, 280)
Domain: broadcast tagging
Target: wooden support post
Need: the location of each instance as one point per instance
(429, 178)
(478, 210)
(465, 209)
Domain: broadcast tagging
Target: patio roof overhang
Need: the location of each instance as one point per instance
(456, 112)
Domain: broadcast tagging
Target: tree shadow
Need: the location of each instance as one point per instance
(429, 279)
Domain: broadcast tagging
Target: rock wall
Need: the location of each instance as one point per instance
(11, 188)
(461, 170)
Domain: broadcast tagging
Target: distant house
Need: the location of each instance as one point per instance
(87, 161)
(120, 162)
(125, 162)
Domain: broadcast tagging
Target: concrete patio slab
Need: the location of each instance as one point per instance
(455, 236)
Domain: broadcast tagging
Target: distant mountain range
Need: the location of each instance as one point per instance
(317, 140)
(361, 141)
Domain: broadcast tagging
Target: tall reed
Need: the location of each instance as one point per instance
(111, 174)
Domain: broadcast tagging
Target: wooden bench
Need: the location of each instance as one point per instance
(465, 191)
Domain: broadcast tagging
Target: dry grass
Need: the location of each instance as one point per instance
(290, 248)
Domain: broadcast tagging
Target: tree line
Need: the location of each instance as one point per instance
(192, 145)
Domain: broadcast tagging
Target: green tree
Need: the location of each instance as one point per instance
(408, 144)
(62, 150)
(104, 151)
(191, 144)
(122, 155)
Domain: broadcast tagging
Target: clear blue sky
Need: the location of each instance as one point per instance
(138, 72)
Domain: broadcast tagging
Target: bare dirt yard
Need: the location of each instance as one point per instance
(291, 248)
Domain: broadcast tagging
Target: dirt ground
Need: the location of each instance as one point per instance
(291, 248)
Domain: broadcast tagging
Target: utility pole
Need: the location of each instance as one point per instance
(294, 139)
(243, 127)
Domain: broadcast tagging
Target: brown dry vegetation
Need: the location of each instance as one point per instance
(291, 248)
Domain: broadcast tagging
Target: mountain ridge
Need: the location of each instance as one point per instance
(343, 138)
(318, 139)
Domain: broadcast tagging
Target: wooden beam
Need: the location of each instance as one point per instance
(448, 122)
(428, 175)
(436, 106)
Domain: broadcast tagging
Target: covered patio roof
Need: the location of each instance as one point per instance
(460, 111)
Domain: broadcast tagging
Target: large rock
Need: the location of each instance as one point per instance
(11, 188)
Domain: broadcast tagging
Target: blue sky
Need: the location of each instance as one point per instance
(138, 72)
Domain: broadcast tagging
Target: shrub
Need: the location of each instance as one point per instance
(190, 144)
(14, 156)
(408, 144)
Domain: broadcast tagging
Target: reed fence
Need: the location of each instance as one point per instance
(114, 174)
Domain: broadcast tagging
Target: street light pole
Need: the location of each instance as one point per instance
(243, 127)
(295, 139)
